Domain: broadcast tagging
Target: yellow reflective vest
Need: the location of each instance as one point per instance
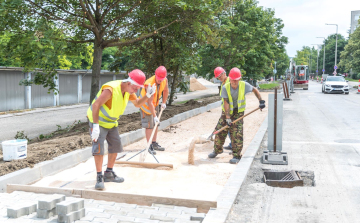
(108, 117)
(227, 81)
(145, 107)
(241, 102)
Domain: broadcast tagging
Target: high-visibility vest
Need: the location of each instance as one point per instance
(227, 81)
(241, 102)
(108, 117)
(145, 107)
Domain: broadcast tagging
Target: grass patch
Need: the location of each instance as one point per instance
(268, 86)
(350, 79)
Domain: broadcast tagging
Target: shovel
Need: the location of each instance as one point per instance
(225, 127)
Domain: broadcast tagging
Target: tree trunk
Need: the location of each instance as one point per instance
(173, 86)
(96, 68)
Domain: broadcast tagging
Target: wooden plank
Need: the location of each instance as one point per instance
(201, 205)
(145, 164)
(44, 190)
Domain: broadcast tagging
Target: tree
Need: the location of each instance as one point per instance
(350, 57)
(102, 23)
(330, 43)
(305, 56)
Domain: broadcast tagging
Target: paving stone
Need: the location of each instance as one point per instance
(123, 218)
(142, 220)
(108, 207)
(65, 207)
(91, 205)
(99, 214)
(197, 216)
(116, 212)
(137, 215)
(49, 203)
(81, 221)
(88, 201)
(87, 217)
(104, 202)
(21, 209)
(186, 209)
(132, 210)
(87, 210)
(45, 213)
(125, 205)
(147, 207)
(71, 217)
(178, 216)
(185, 221)
(169, 210)
(105, 220)
(162, 218)
(163, 206)
(155, 212)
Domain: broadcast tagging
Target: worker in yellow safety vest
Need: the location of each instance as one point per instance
(103, 114)
(150, 109)
(233, 108)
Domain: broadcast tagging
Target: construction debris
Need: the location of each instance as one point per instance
(195, 85)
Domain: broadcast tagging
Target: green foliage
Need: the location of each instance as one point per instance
(269, 86)
(307, 55)
(21, 135)
(355, 76)
(350, 57)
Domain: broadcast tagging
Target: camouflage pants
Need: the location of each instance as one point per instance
(236, 134)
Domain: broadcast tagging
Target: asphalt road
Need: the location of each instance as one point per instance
(45, 120)
(321, 133)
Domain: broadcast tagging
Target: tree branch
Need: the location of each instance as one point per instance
(91, 19)
(117, 28)
(108, 10)
(80, 41)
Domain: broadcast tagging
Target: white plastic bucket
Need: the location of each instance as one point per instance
(14, 149)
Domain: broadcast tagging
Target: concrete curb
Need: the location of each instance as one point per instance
(231, 189)
(65, 161)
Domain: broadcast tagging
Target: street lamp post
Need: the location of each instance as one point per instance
(324, 54)
(335, 41)
(317, 60)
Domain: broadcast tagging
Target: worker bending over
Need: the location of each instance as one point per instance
(233, 94)
(150, 110)
(103, 114)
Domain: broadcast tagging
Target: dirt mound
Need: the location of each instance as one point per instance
(77, 137)
(195, 85)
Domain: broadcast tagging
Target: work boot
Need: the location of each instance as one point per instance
(110, 176)
(213, 154)
(151, 150)
(234, 160)
(227, 147)
(156, 146)
(99, 182)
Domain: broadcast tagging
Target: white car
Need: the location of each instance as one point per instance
(335, 84)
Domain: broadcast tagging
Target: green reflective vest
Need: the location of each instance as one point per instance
(108, 117)
(241, 102)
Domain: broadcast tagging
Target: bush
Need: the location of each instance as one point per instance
(355, 76)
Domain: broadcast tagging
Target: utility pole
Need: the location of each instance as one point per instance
(317, 60)
(324, 54)
(336, 40)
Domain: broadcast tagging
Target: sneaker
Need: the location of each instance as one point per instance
(227, 147)
(156, 146)
(110, 176)
(151, 150)
(99, 182)
(213, 154)
(234, 160)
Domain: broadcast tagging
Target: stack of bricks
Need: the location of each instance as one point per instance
(18, 210)
(70, 210)
(47, 205)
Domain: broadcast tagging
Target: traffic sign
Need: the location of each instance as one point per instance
(317, 71)
(334, 72)
(323, 70)
(274, 71)
(335, 67)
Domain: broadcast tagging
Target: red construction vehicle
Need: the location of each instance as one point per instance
(300, 74)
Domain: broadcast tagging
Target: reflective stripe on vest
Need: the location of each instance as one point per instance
(108, 117)
(241, 102)
(145, 107)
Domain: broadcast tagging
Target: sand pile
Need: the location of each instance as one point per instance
(195, 85)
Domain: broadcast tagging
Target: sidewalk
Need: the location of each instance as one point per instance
(45, 120)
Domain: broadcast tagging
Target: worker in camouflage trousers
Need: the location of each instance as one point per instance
(233, 107)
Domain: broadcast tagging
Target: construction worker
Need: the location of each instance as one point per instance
(220, 74)
(150, 109)
(109, 103)
(233, 108)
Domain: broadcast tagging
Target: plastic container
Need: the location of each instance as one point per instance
(14, 149)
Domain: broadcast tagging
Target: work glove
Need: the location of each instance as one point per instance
(228, 122)
(262, 104)
(156, 120)
(95, 132)
(163, 106)
(150, 90)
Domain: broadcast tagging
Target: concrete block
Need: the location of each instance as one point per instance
(87, 210)
(142, 220)
(71, 217)
(162, 218)
(137, 215)
(91, 205)
(104, 202)
(203, 110)
(276, 158)
(155, 212)
(164, 124)
(65, 207)
(163, 206)
(21, 210)
(147, 207)
(58, 164)
(109, 207)
(105, 220)
(46, 213)
(99, 214)
(49, 202)
(123, 218)
(178, 216)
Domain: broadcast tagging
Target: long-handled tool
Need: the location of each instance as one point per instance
(225, 127)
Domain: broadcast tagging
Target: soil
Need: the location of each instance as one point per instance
(77, 136)
(196, 85)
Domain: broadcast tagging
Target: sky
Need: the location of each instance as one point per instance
(305, 20)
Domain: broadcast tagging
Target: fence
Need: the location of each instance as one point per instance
(74, 87)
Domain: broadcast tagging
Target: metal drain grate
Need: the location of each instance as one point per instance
(287, 179)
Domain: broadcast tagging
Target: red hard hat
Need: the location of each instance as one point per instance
(160, 73)
(137, 77)
(218, 71)
(235, 74)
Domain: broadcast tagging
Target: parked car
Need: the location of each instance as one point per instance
(335, 84)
